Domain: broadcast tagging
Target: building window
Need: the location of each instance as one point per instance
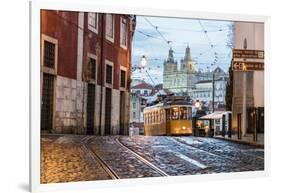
(123, 33)
(49, 54)
(123, 79)
(134, 105)
(145, 92)
(134, 115)
(93, 22)
(92, 68)
(109, 74)
(109, 27)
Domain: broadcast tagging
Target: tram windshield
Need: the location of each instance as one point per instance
(181, 113)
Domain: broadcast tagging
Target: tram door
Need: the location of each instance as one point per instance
(47, 102)
(90, 109)
(107, 118)
(168, 123)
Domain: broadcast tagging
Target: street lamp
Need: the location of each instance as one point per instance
(197, 105)
(142, 66)
(143, 63)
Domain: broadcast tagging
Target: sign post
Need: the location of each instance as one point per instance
(247, 66)
(248, 54)
(247, 60)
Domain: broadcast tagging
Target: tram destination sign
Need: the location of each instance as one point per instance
(247, 66)
(251, 54)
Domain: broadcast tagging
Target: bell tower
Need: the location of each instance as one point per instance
(170, 64)
(187, 64)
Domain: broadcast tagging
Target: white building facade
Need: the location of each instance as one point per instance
(203, 89)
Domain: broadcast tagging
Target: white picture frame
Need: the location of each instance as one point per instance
(36, 6)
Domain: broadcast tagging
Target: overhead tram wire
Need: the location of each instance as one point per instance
(221, 29)
(156, 28)
(206, 33)
(169, 45)
(168, 42)
(148, 35)
(210, 42)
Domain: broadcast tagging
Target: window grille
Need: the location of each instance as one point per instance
(109, 74)
(49, 54)
(123, 79)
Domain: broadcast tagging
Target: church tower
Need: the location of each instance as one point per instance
(170, 64)
(187, 64)
(170, 72)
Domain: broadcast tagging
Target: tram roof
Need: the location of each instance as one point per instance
(167, 105)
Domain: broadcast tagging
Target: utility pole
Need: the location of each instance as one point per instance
(244, 97)
(213, 95)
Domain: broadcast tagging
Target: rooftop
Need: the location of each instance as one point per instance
(143, 85)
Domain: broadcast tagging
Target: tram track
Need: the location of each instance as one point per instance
(213, 154)
(107, 168)
(142, 159)
(98, 159)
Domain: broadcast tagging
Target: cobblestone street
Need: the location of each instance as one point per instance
(68, 158)
(63, 160)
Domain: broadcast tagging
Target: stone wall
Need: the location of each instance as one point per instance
(69, 110)
(115, 112)
(70, 115)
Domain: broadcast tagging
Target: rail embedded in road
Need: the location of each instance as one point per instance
(142, 159)
(98, 159)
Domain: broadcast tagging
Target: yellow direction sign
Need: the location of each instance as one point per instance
(251, 54)
(247, 66)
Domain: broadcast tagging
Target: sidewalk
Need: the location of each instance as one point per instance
(248, 139)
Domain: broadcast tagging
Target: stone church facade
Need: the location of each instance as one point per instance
(181, 80)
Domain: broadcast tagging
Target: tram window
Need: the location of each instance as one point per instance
(168, 114)
(175, 113)
(158, 116)
(183, 113)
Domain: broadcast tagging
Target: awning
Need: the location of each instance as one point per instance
(214, 115)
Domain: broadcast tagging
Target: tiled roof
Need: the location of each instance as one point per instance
(143, 85)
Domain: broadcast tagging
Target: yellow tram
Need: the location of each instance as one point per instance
(168, 119)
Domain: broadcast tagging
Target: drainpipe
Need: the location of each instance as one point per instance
(101, 71)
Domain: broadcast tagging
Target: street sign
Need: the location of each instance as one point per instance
(247, 66)
(253, 54)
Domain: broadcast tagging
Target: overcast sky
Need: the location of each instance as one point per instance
(200, 35)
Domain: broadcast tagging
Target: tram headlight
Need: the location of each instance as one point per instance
(183, 127)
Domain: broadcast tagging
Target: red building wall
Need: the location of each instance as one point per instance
(63, 26)
(94, 43)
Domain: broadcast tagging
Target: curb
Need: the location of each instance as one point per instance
(241, 142)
